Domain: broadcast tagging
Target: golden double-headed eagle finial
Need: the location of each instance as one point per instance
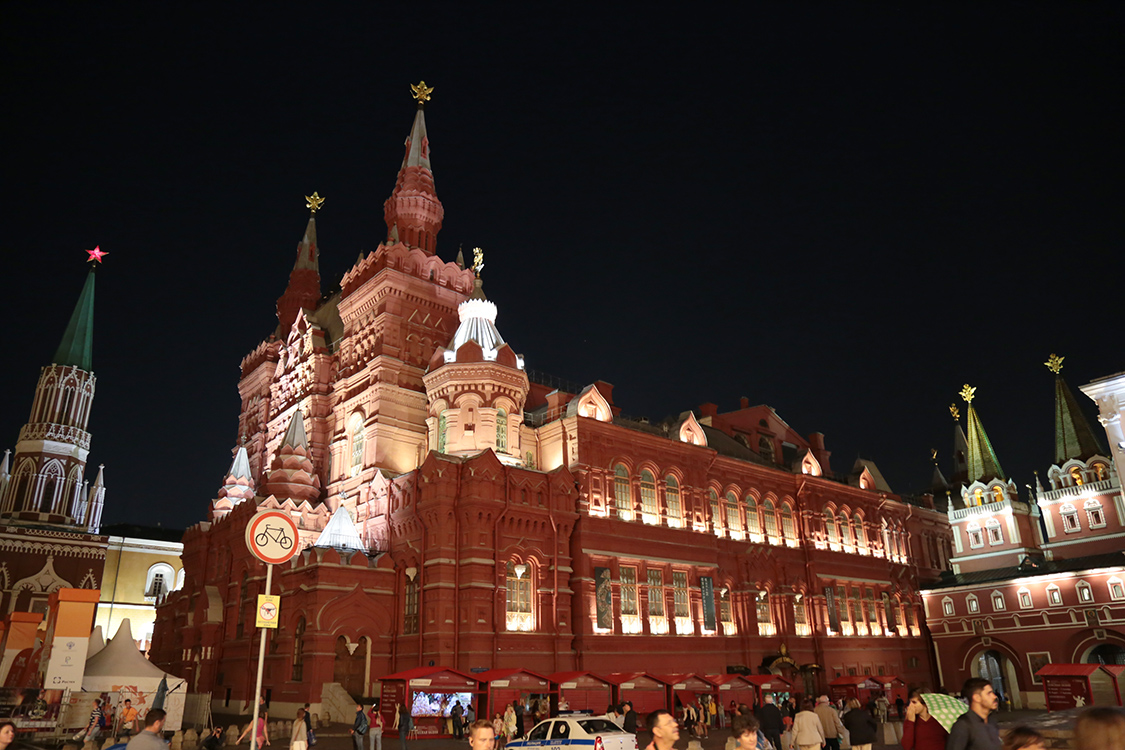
(313, 202)
(955, 412)
(1054, 363)
(933, 455)
(421, 92)
(478, 260)
(968, 392)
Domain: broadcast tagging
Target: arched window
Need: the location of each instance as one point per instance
(1085, 593)
(672, 501)
(973, 604)
(857, 529)
(649, 511)
(519, 614)
(716, 513)
(1054, 595)
(766, 449)
(769, 519)
(976, 537)
(978, 496)
(753, 523)
(995, 533)
(1076, 476)
(830, 526)
(947, 607)
(734, 516)
(501, 431)
(299, 651)
(410, 605)
(622, 494)
(356, 430)
(788, 527)
(997, 494)
(1116, 590)
(1024, 596)
(442, 432)
(160, 579)
(1100, 471)
(845, 528)
(1094, 514)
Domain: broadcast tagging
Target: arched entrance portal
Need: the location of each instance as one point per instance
(350, 666)
(998, 669)
(1107, 653)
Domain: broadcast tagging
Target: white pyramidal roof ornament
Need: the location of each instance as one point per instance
(341, 533)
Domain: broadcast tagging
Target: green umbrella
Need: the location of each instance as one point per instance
(944, 708)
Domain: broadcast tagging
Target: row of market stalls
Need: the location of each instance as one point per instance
(868, 687)
(432, 692)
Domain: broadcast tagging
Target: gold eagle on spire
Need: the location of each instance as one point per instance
(1054, 363)
(968, 392)
(421, 92)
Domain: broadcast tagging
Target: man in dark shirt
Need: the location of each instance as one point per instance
(630, 722)
(519, 719)
(976, 729)
(769, 719)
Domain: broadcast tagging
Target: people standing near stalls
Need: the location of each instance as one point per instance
(830, 720)
(770, 720)
(920, 730)
(629, 724)
(899, 705)
(470, 717)
(405, 724)
(701, 712)
(861, 726)
(518, 708)
(691, 719)
(882, 705)
(509, 722)
(808, 732)
(359, 727)
(375, 733)
(455, 715)
(500, 731)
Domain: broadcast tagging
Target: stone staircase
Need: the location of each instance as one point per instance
(337, 705)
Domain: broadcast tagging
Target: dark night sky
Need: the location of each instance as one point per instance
(845, 213)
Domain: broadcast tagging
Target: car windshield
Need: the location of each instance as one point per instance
(599, 726)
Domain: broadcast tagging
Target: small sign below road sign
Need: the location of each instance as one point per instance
(268, 609)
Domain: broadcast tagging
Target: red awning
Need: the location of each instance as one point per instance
(685, 696)
(1067, 670)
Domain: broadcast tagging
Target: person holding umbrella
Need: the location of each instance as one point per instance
(921, 730)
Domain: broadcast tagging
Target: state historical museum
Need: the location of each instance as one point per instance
(455, 511)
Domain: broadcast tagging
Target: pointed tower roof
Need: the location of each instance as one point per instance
(303, 290)
(1073, 436)
(295, 435)
(341, 533)
(418, 143)
(982, 461)
(413, 213)
(292, 474)
(77, 345)
(307, 255)
(240, 466)
(938, 481)
(100, 480)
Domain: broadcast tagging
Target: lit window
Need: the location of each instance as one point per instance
(1025, 599)
(655, 593)
(519, 612)
(158, 586)
(734, 517)
(764, 616)
(889, 611)
(978, 496)
(1076, 476)
(724, 608)
(357, 443)
(648, 498)
(995, 535)
(628, 591)
(501, 431)
(1116, 590)
(623, 497)
(860, 535)
(830, 526)
(1094, 513)
(974, 606)
(716, 514)
(1085, 593)
(1054, 596)
(788, 527)
(998, 601)
(1100, 471)
(410, 607)
(442, 432)
(976, 538)
(680, 593)
(872, 612)
(753, 522)
(947, 607)
(672, 500)
(769, 517)
(1069, 518)
(997, 494)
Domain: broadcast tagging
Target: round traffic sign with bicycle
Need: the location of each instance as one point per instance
(272, 536)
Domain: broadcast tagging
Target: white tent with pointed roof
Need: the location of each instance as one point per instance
(122, 671)
(97, 642)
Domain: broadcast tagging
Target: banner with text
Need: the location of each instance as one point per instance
(707, 587)
(833, 615)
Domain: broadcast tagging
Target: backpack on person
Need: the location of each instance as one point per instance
(364, 724)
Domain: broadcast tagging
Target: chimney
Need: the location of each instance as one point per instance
(708, 409)
(743, 403)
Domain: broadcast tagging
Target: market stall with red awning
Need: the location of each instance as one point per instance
(893, 687)
(582, 691)
(431, 693)
(646, 692)
(501, 687)
(1077, 685)
(688, 688)
(861, 687)
(757, 685)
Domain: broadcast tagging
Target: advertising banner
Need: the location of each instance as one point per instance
(707, 586)
(833, 614)
(603, 596)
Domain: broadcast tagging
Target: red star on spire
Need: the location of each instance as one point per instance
(96, 254)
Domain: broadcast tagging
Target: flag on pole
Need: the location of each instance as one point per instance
(945, 708)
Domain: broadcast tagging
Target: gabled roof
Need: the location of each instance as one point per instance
(503, 674)
(1067, 670)
(423, 672)
(561, 677)
(618, 678)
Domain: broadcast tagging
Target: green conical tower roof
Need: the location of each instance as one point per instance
(982, 460)
(1073, 436)
(77, 345)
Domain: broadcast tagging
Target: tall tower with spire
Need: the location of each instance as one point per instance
(413, 212)
(47, 475)
(303, 291)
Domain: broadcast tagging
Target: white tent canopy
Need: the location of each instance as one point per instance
(97, 642)
(120, 670)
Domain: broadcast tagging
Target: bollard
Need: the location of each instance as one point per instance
(191, 738)
(694, 745)
(230, 737)
(177, 740)
(730, 744)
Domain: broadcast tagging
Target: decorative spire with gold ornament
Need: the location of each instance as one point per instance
(413, 212)
(982, 461)
(313, 202)
(303, 290)
(1073, 436)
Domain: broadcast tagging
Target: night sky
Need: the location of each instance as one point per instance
(844, 213)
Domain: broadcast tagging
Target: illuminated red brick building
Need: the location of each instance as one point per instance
(1037, 581)
(457, 511)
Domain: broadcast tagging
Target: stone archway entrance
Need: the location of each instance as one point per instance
(1106, 653)
(350, 666)
(999, 670)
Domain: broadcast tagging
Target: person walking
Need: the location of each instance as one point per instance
(129, 716)
(769, 718)
(97, 719)
(830, 720)
(359, 727)
(861, 726)
(899, 705)
(976, 729)
(500, 731)
(808, 731)
(376, 723)
(664, 727)
(405, 724)
(262, 733)
(299, 737)
(882, 705)
(310, 735)
(920, 730)
(630, 722)
(152, 738)
(456, 714)
(470, 717)
(519, 719)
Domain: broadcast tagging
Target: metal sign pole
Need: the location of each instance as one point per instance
(261, 664)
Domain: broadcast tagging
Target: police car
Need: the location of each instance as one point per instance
(578, 732)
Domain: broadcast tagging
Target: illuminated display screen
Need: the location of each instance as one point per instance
(437, 704)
